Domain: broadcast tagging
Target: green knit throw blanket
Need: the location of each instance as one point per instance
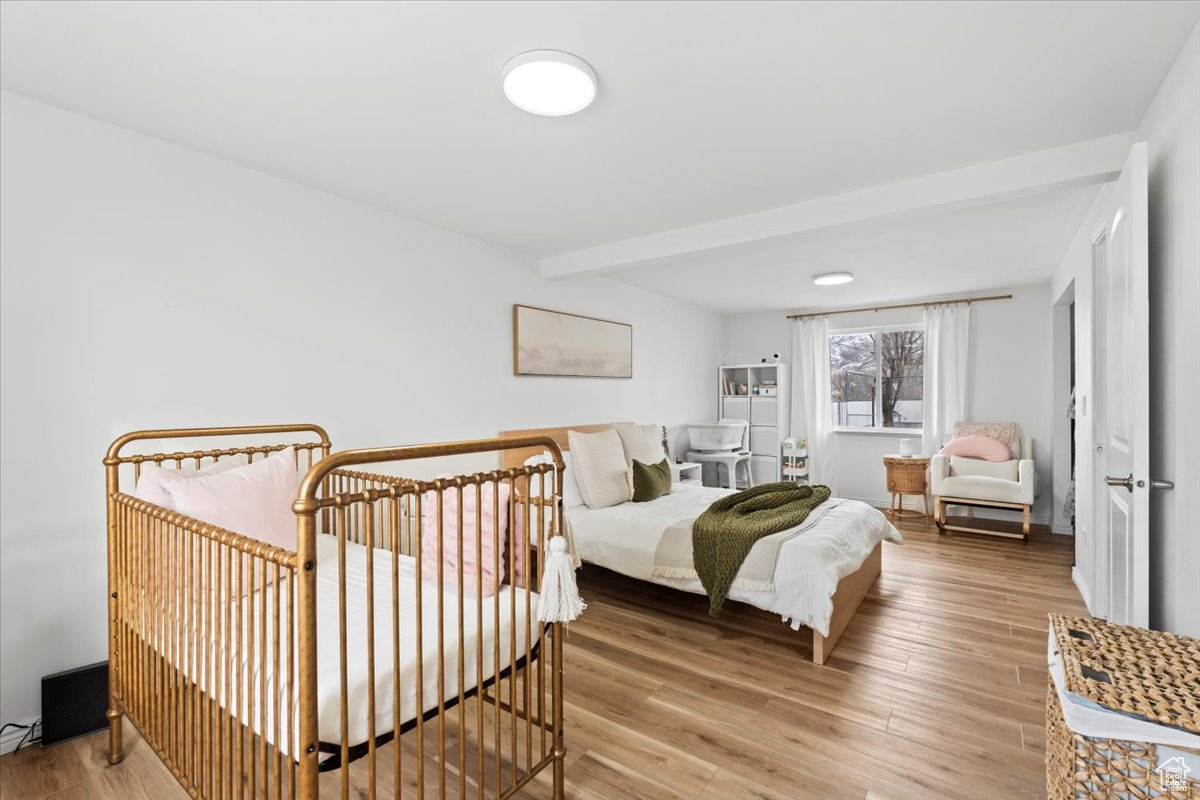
(723, 535)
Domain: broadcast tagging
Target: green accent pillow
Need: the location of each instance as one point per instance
(651, 480)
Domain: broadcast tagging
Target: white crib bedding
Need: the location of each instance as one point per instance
(481, 635)
(833, 544)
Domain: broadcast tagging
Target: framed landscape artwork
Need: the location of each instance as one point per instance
(555, 343)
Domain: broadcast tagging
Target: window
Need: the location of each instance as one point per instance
(877, 378)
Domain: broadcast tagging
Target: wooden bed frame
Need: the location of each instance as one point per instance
(851, 590)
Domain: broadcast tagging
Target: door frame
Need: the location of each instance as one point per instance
(1099, 570)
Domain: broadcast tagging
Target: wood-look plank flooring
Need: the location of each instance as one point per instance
(937, 690)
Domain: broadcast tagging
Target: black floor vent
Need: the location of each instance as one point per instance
(74, 703)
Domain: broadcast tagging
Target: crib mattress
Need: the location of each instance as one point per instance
(497, 646)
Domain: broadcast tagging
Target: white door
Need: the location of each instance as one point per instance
(1124, 413)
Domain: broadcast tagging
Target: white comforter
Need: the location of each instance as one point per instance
(833, 542)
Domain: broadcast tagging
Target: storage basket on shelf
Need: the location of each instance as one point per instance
(1122, 712)
(906, 475)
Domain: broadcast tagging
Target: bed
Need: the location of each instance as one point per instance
(263, 670)
(821, 575)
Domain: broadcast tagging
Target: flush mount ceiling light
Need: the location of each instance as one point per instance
(833, 278)
(549, 82)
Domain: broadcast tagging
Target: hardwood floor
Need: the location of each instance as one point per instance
(936, 690)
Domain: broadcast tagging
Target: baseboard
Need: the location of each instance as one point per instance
(12, 737)
(885, 503)
(882, 505)
(1081, 584)
(913, 503)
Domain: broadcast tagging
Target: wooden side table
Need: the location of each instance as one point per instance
(907, 476)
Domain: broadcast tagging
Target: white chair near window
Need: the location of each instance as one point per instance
(975, 482)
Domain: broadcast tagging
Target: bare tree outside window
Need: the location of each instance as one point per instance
(852, 376)
(877, 378)
(902, 367)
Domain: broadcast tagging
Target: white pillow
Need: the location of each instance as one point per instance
(153, 480)
(642, 443)
(570, 489)
(254, 500)
(600, 468)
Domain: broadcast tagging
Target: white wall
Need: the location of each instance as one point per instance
(1060, 399)
(1010, 379)
(1171, 129)
(1074, 279)
(144, 285)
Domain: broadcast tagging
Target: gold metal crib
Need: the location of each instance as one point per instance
(351, 665)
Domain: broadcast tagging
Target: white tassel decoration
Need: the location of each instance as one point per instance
(560, 600)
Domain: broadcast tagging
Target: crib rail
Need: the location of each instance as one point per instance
(178, 591)
(115, 456)
(343, 487)
(205, 651)
(489, 717)
(214, 644)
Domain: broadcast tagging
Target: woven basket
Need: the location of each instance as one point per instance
(906, 475)
(1148, 674)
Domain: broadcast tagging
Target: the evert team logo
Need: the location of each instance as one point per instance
(1173, 774)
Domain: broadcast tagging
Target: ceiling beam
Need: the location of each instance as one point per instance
(1084, 163)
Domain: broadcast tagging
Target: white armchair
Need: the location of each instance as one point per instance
(956, 480)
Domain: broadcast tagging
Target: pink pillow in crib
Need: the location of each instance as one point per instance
(254, 500)
(521, 543)
(984, 447)
(482, 528)
(153, 480)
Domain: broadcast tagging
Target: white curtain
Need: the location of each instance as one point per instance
(812, 404)
(947, 332)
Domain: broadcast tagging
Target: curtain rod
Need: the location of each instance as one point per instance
(903, 305)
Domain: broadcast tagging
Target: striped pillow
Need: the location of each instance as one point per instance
(598, 460)
(642, 443)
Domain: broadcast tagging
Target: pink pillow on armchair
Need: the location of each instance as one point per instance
(984, 447)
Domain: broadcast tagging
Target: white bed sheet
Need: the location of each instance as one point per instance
(477, 637)
(832, 545)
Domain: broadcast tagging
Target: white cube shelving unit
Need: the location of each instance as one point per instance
(768, 414)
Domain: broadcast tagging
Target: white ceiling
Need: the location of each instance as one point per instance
(974, 248)
(705, 110)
